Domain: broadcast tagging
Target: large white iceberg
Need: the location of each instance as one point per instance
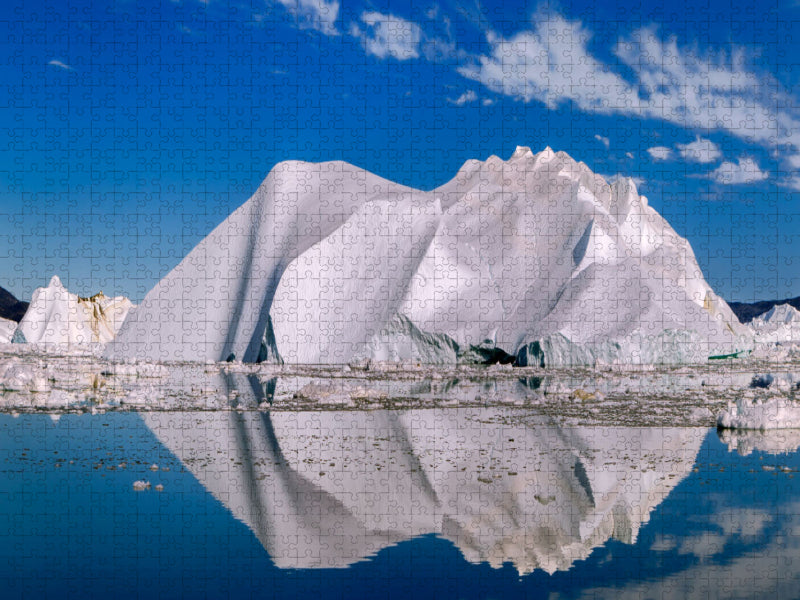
(56, 317)
(779, 325)
(535, 258)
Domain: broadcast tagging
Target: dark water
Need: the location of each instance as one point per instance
(446, 503)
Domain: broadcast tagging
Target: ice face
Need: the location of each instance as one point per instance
(327, 262)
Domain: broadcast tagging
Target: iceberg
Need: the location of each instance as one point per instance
(779, 325)
(535, 258)
(56, 317)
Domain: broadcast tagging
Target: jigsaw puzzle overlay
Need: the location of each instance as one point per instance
(432, 300)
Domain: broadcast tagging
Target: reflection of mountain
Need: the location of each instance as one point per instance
(326, 489)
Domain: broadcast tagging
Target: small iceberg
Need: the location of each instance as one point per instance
(771, 413)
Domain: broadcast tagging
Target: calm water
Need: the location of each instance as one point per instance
(445, 503)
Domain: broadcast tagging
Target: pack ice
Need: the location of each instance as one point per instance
(56, 317)
(535, 260)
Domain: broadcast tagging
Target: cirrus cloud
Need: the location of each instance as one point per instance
(550, 62)
(384, 36)
(314, 14)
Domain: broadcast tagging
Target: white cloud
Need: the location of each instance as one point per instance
(388, 36)
(603, 140)
(700, 150)
(467, 97)
(638, 181)
(550, 64)
(314, 14)
(488, 101)
(629, 154)
(60, 65)
(793, 183)
(745, 170)
(660, 153)
(793, 161)
(709, 90)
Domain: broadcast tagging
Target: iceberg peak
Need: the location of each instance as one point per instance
(522, 152)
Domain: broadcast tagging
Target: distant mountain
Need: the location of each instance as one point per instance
(747, 311)
(10, 307)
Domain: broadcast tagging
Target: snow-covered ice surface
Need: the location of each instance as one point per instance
(535, 258)
(32, 379)
(56, 317)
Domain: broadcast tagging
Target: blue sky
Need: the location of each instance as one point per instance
(130, 129)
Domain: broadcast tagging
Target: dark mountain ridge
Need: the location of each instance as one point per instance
(10, 307)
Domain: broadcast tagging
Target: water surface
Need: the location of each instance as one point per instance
(446, 503)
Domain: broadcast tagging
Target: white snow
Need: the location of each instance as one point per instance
(536, 256)
(779, 325)
(56, 317)
(7, 329)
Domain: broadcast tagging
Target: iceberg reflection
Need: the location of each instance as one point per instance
(326, 489)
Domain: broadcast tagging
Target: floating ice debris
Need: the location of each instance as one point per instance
(535, 259)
